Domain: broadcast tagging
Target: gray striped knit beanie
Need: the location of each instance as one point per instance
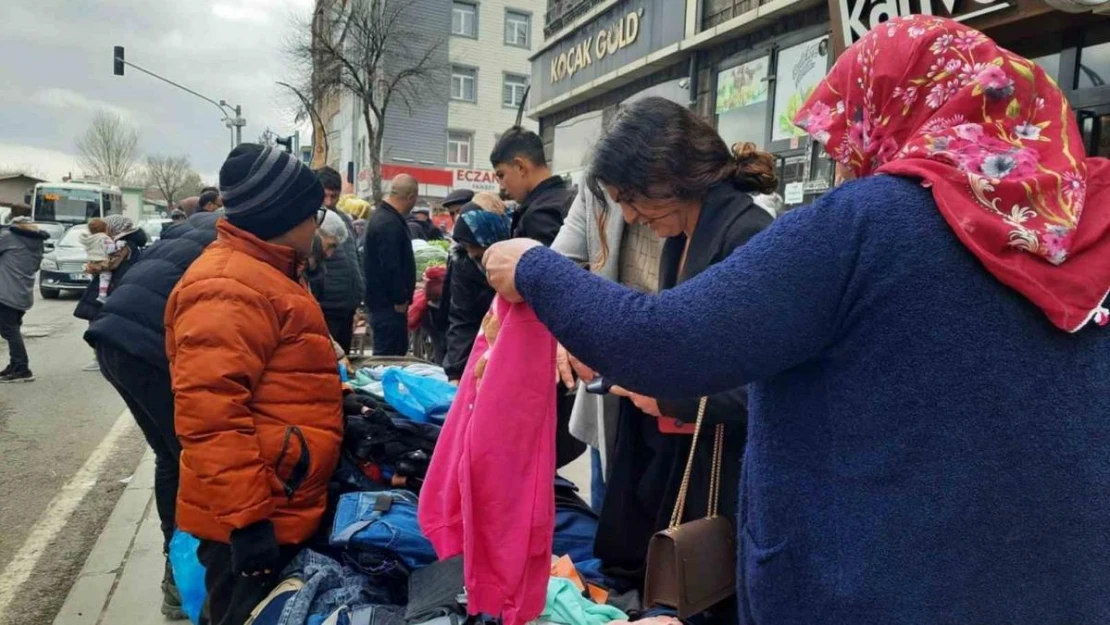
(266, 191)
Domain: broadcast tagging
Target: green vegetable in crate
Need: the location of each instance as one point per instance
(427, 255)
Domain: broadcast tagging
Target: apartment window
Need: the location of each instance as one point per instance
(518, 29)
(512, 92)
(464, 19)
(458, 148)
(463, 83)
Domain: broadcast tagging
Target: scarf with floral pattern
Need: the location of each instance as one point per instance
(994, 139)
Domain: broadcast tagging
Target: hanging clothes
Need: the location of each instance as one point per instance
(488, 493)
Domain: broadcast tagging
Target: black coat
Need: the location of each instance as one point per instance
(132, 319)
(423, 230)
(541, 214)
(388, 260)
(89, 306)
(341, 288)
(467, 297)
(647, 466)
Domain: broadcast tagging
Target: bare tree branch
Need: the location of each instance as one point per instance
(109, 149)
(369, 49)
(170, 175)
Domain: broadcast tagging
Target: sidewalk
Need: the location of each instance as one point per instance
(121, 580)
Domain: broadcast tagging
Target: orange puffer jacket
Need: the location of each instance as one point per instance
(256, 392)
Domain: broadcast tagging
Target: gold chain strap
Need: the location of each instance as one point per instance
(715, 476)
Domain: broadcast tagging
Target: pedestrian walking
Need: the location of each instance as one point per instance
(522, 170)
(929, 381)
(21, 248)
(342, 284)
(129, 338)
(254, 373)
(390, 267)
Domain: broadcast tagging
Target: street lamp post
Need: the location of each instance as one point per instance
(232, 117)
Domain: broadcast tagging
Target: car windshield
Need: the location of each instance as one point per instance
(73, 237)
(54, 230)
(68, 205)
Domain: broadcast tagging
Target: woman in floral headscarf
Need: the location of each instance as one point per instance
(930, 383)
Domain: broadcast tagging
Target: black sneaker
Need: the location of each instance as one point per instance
(171, 597)
(17, 376)
(5, 371)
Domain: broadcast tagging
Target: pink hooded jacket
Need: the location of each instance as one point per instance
(489, 490)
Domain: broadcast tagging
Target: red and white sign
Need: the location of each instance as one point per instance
(475, 179)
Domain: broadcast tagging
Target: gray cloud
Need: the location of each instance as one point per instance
(57, 72)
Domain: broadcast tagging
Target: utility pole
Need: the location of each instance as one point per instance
(234, 123)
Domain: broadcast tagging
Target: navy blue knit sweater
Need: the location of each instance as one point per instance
(924, 446)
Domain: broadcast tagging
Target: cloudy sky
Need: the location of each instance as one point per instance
(56, 72)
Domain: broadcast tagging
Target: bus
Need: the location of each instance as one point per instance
(74, 202)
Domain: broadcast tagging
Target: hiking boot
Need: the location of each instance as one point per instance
(17, 376)
(171, 598)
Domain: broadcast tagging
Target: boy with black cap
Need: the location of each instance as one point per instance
(258, 404)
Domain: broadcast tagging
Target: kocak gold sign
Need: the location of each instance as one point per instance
(610, 40)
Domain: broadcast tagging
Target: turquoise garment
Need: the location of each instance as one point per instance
(567, 606)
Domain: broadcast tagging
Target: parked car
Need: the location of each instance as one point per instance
(63, 269)
(55, 230)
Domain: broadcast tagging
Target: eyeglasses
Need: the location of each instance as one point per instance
(321, 213)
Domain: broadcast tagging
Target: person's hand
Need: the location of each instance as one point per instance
(569, 367)
(500, 262)
(647, 405)
(254, 550)
(401, 308)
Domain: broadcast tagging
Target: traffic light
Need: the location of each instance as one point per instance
(286, 142)
(117, 60)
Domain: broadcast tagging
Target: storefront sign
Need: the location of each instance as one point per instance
(607, 41)
(800, 70)
(742, 85)
(794, 193)
(475, 179)
(628, 31)
(859, 16)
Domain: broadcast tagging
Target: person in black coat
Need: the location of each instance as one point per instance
(341, 286)
(521, 166)
(705, 211)
(390, 268)
(123, 230)
(130, 342)
(421, 226)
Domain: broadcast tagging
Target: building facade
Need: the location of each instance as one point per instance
(748, 65)
(445, 142)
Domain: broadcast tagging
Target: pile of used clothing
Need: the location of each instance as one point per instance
(371, 564)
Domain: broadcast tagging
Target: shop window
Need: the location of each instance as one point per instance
(458, 148)
(463, 83)
(1050, 63)
(1094, 66)
(464, 19)
(574, 140)
(512, 91)
(518, 29)
(742, 94)
(799, 70)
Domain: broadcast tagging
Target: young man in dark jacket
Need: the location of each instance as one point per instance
(129, 337)
(21, 246)
(391, 268)
(342, 283)
(522, 169)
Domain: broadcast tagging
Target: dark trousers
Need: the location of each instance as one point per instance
(341, 326)
(231, 597)
(391, 332)
(11, 320)
(147, 392)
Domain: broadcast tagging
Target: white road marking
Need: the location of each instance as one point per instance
(57, 514)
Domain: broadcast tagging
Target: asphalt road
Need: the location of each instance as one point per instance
(58, 482)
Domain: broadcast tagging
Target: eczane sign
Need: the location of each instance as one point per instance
(859, 16)
(475, 179)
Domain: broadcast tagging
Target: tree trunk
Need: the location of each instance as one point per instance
(374, 141)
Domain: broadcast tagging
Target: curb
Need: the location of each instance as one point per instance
(95, 585)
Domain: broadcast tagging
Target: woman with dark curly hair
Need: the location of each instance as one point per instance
(670, 171)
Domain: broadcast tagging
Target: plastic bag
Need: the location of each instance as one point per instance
(424, 400)
(188, 573)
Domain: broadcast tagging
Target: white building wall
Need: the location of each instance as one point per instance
(488, 118)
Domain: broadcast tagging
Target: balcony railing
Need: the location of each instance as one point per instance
(562, 13)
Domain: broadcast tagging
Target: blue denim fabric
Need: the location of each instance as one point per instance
(359, 526)
(574, 534)
(388, 577)
(328, 586)
(597, 480)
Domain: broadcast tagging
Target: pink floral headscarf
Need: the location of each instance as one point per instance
(994, 138)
